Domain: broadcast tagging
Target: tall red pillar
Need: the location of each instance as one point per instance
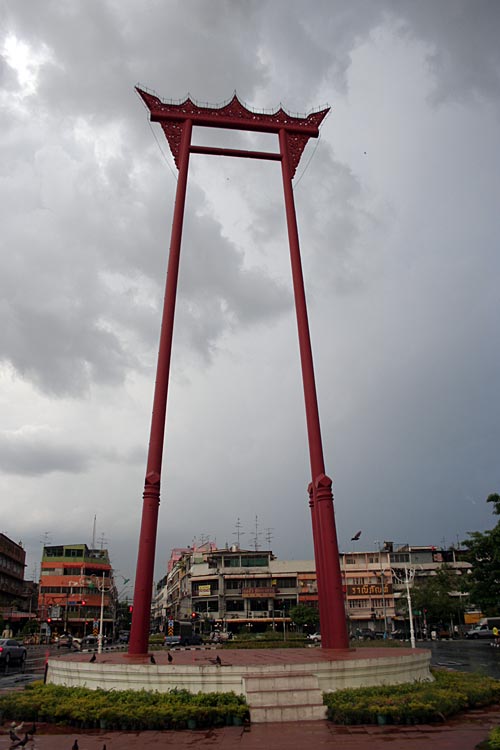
(330, 595)
(143, 591)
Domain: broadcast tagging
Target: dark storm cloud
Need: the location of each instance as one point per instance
(398, 250)
(65, 341)
(36, 452)
(84, 344)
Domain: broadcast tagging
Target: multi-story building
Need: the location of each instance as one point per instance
(75, 583)
(12, 564)
(369, 592)
(234, 588)
(252, 589)
(14, 590)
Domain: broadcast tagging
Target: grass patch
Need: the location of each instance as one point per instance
(123, 709)
(413, 703)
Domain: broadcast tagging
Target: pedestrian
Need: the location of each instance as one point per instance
(495, 635)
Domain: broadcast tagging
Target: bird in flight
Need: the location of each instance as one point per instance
(356, 536)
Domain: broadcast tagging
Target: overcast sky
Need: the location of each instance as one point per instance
(397, 206)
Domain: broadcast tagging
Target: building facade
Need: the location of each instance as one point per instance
(75, 584)
(15, 593)
(237, 589)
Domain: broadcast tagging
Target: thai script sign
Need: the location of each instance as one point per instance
(255, 593)
(369, 589)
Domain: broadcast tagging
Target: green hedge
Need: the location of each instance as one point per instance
(126, 709)
(493, 742)
(413, 703)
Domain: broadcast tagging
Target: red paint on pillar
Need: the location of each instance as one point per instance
(139, 633)
(336, 635)
(331, 605)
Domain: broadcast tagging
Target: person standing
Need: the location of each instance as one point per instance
(495, 635)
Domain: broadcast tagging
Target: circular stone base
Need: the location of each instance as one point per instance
(274, 681)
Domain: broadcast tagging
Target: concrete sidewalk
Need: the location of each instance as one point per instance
(463, 733)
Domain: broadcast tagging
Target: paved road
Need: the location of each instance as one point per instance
(465, 656)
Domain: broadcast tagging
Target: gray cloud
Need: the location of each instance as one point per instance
(35, 452)
(398, 251)
(464, 56)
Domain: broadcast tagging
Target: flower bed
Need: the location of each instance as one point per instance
(124, 710)
(414, 703)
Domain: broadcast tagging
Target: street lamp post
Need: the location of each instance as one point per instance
(100, 583)
(408, 577)
(382, 582)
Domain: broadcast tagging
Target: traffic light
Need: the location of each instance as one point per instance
(130, 607)
(83, 602)
(194, 615)
(49, 620)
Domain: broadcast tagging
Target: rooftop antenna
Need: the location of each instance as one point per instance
(102, 541)
(238, 533)
(269, 537)
(256, 536)
(93, 532)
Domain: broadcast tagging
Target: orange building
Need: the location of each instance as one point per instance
(72, 579)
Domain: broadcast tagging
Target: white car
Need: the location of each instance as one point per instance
(314, 637)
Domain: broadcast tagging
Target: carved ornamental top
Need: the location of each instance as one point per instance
(233, 115)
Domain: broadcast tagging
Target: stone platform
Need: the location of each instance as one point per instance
(279, 684)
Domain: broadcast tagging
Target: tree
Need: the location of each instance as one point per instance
(303, 614)
(435, 595)
(483, 552)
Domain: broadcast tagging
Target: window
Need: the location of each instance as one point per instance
(286, 583)
(350, 561)
(235, 605)
(400, 557)
(358, 604)
(233, 583)
(258, 605)
(232, 562)
(254, 562)
(53, 551)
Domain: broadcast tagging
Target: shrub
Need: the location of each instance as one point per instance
(126, 709)
(413, 703)
(494, 739)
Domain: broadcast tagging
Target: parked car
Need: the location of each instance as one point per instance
(480, 631)
(172, 640)
(220, 636)
(92, 641)
(11, 651)
(365, 634)
(191, 640)
(66, 641)
(314, 637)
